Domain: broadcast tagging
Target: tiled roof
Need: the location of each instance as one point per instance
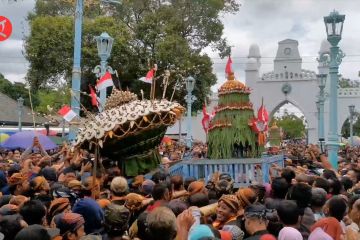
(9, 113)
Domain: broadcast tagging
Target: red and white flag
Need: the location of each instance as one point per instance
(105, 82)
(207, 119)
(149, 76)
(67, 113)
(228, 68)
(94, 100)
(263, 114)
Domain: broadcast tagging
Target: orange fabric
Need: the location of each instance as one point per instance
(138, 180)
(133, 201)
(246, 196)
(40, 184)
(58, 205)
(218, 225)
(225, 235)
(196, 187)
(103, 203)
(331, 226)
(261, 139)
(16, 178)
(18, 200)
(231, 201)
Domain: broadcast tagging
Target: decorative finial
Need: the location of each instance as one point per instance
(231, 76)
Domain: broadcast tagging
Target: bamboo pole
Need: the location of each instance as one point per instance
(93, 192)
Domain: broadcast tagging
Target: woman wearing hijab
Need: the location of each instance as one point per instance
(289, 233)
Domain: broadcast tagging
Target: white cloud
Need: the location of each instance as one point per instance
(16, 77)
(264, 22)
(12, 62)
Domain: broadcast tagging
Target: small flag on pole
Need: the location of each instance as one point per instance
(94, 100)
(67, 113)
(149, 76)
(228, 68)
(105, 82)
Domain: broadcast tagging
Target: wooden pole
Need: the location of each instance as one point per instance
(32, 109)
(153, 86)
(93, 193)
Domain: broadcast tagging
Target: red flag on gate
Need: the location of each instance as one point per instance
(228, 68)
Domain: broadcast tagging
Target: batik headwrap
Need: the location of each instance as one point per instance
(196, 187)
(70, 222)
(16, 178)
(231, 201)
(58, 206)
(138, 181)
(39, 184)
(246, 196)
(133, 202)
(18, 200)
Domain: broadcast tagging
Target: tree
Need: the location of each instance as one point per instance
(145, 33)
(16, 90)
(54, 99)
(345, 130)
(292, 126)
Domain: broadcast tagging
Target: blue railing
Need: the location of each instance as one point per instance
(243, 171)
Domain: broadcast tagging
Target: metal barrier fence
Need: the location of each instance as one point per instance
(243, 171)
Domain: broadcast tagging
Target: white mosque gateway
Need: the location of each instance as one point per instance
(287, 83)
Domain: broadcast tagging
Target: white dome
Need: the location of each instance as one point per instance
(325, 46)
(254, 51)
(251, 64)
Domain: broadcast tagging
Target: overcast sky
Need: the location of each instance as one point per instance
(264, 22)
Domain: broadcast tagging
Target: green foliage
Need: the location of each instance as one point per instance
(16, 90)
(234, 98)
(144, 32)
(292, 126)
(222, 140)
(347, 83)
(345, 130)
(55, 99)
(274, 136)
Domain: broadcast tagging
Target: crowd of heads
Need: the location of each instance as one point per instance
(63, 197)
(177, 150)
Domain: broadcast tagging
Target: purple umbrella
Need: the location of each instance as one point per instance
(25, 139)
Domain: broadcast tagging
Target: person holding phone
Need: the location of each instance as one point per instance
(39, 150)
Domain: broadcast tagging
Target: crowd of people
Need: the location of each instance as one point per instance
(61, 196)
(177, 150)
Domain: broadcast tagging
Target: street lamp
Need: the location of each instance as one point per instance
(190, 84)
(334, 26)
(317, 108)
(321, 80)
(104, 46)
(20, 105)
(351, 120)
(76, 70)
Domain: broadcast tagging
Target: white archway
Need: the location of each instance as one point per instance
(288, 82)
